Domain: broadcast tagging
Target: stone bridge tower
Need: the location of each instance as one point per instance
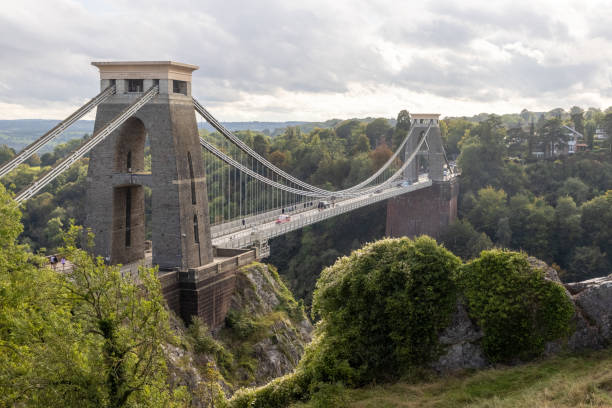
(428, 210)
(118, 171)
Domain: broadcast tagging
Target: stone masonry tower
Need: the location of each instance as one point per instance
(428, 210)
(118, 172)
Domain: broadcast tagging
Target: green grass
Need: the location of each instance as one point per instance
(565, 381)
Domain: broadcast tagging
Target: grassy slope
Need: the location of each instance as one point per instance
(565, 381)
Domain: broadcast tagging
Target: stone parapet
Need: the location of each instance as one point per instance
(205, 291)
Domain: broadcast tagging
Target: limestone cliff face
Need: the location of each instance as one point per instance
(264, 337)
(593, 324)
(277, 328)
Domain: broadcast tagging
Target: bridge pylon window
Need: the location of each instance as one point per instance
(179, 87)
(135, 85)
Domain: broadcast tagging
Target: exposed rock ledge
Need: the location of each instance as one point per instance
(593, 324)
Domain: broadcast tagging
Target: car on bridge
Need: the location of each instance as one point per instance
(283, 218)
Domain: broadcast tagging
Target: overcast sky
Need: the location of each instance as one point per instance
(276, 60)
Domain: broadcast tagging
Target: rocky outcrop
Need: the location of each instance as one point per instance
(592, 323)
(461, 342)
(593, 301)
(281, 329)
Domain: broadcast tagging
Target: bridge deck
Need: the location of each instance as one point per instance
(266, 228)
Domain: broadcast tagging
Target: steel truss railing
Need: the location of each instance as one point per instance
(87, 145)
(268, 230)
(245, 148)
(35, 146)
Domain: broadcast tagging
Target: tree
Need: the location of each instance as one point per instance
(575, 188)
(87, 337)
(577, 116)
(550, 135)
(362, 145)
(463, 240)
(279, 159)
(587, 262)
(261, 144)
(380, 155)
(567, 229)
(538, 230)
(516, 139)
(596, 221)
(519, 210)
(6, 154)
(503, 234)
(457, 129)
(491, 206)
(402, 127)
(607, 125)
(482, 153)
(345, 129)
(377, 131)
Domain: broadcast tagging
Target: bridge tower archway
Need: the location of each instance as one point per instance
(129, 155)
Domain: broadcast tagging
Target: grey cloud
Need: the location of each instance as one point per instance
(482, 81)
(270, 45)
(442, 32)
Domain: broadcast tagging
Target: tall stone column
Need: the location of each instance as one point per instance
(428, 210)
(117, 173)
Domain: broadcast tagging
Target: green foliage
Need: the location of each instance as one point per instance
(198, 334)
(596, 221)
(379, 131)
(381, 309)
(293, 308)
(456, 129)
(489, 209)
(586, 262)
(516, 307)
(575, 188)
(482, 153)
(278, 393)
(88, 336)
(241, 325)
(6, 154)
(463, 240)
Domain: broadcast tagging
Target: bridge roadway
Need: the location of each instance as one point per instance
(264, 228)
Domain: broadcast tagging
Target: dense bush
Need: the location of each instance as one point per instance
(516, 307)
(383, 306)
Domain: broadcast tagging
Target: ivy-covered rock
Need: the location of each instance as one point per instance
(518, 307)
(382, 309)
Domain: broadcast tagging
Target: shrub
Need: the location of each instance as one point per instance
(382, 309)
(516, 307)
(278, 393)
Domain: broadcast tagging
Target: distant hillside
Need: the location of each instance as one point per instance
(17, 134)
